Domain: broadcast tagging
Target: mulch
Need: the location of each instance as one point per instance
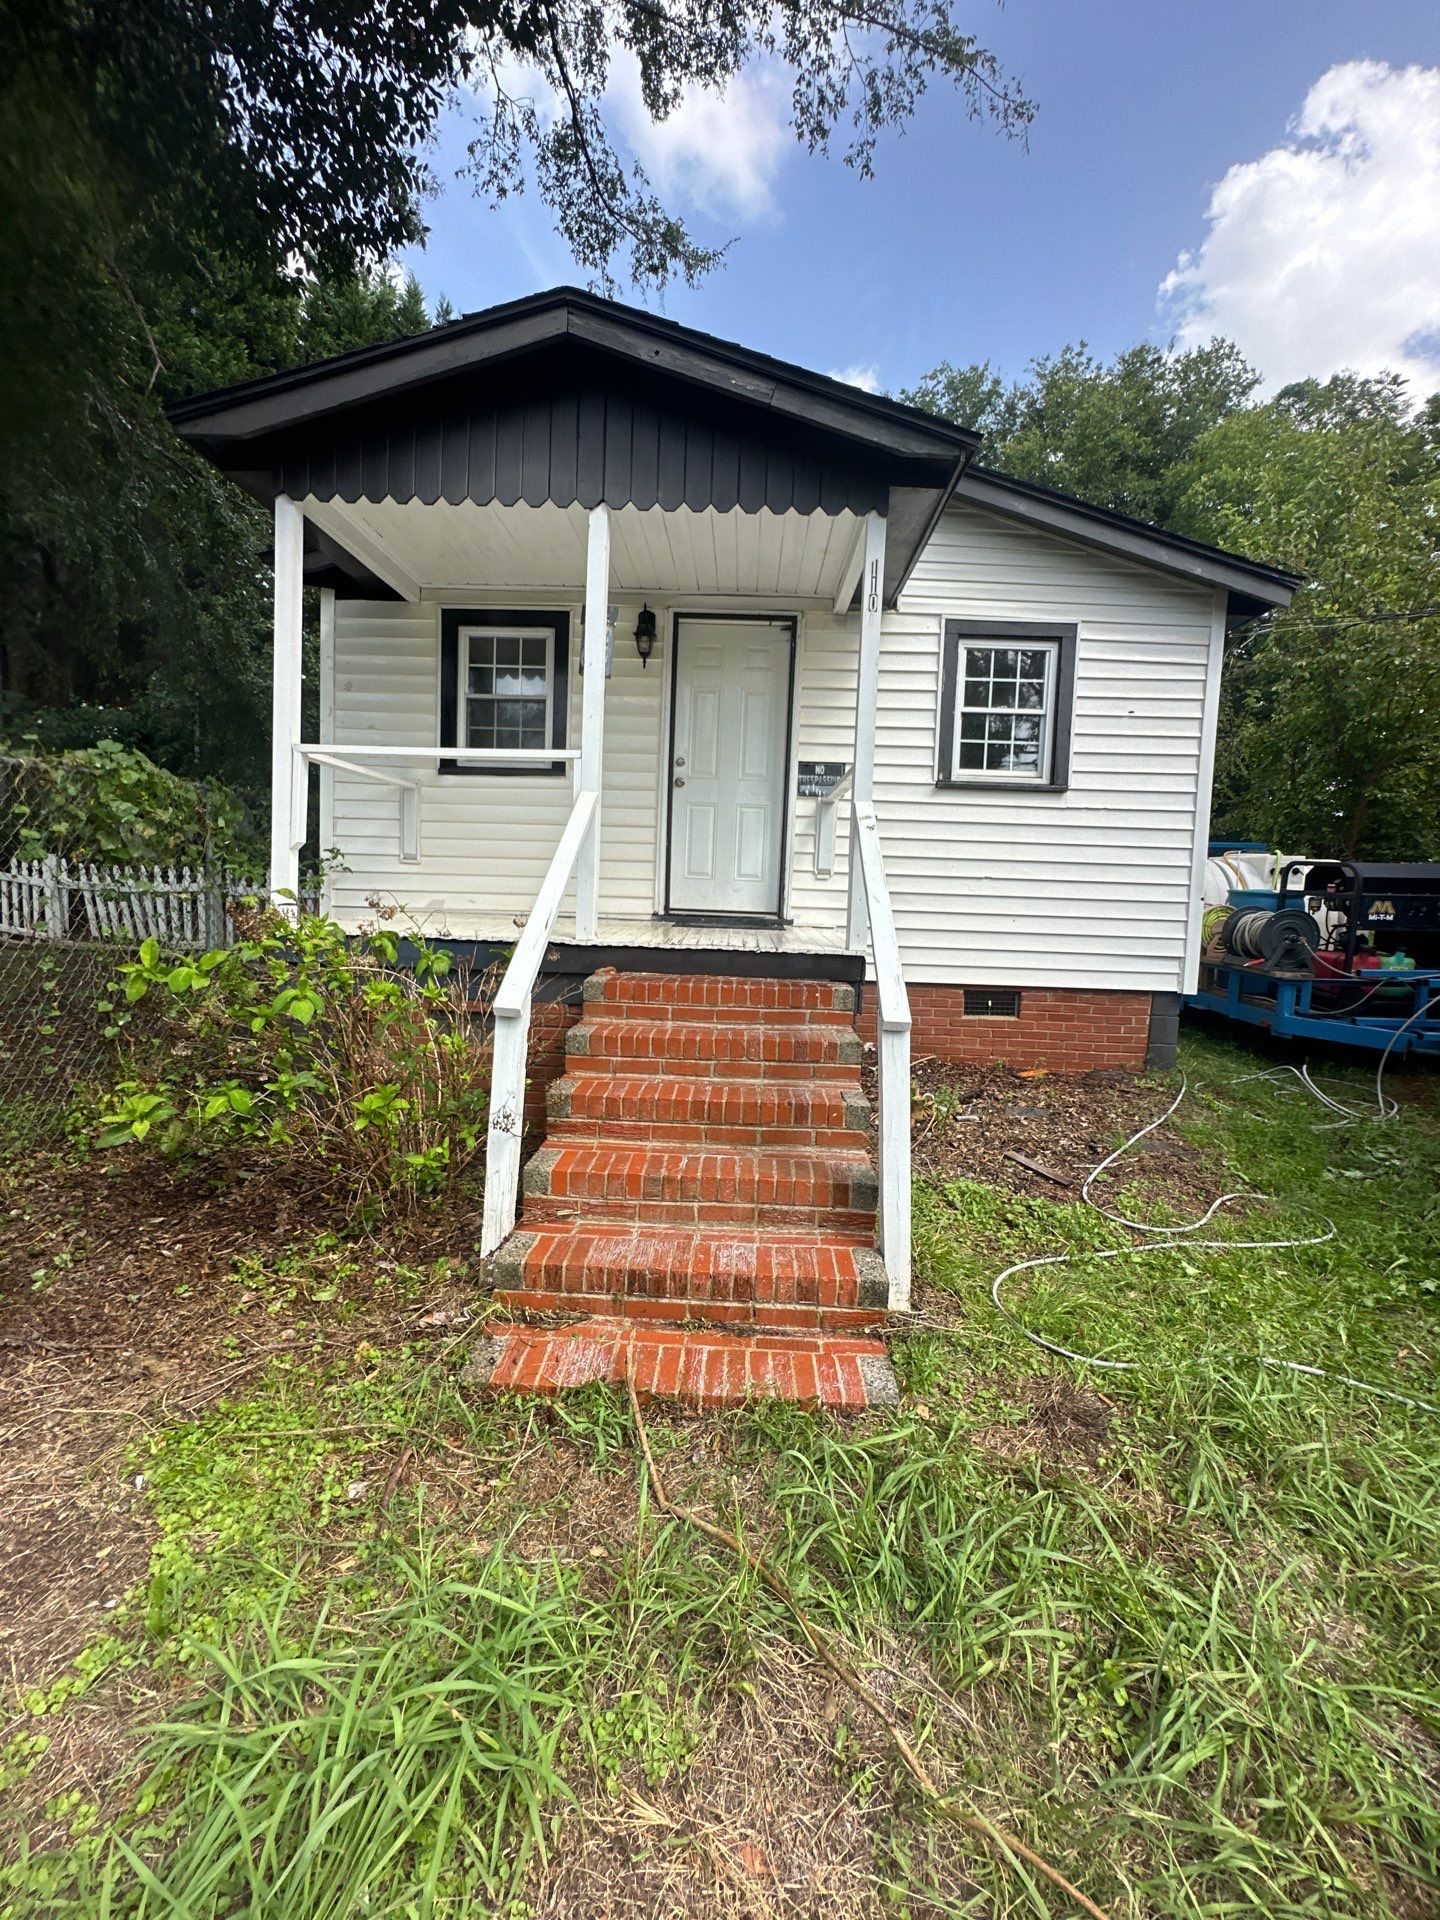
(967, 1122)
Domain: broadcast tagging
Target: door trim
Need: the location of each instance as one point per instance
(790, 624)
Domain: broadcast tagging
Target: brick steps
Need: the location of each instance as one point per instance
(772, 1281)
(690, 1109)
(709, 1047)
(698, 996)
(704, 1202)
(703, 1186)
(703, 1369)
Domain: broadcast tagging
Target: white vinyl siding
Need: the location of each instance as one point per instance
(992, 885)
(485, 838)
(1085, 888)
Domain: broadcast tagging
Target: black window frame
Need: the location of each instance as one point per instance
(538, 620)
(1064, 636)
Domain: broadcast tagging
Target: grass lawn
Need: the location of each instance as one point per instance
(298, 1625)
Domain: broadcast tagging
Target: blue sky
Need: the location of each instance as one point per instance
(1291, 150)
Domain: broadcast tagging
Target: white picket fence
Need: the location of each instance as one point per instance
(56, 899)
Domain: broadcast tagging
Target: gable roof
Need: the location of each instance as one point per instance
(1252, 585)
(569, 397)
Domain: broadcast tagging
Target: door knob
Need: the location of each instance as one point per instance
(680, 760)
(679, 779)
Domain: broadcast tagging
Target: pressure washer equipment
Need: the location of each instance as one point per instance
(1285, 939)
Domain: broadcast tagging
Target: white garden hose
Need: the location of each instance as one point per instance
(1175, 1238)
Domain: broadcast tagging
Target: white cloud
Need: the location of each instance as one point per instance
(864, 375)
(1325, 252)
(720, 151)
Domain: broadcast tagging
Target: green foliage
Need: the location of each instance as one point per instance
(1119, 435)
(111, 805)
(1328, 737)
(408, 1769)
(301, 1042)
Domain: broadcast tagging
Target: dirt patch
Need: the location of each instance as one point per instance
(117, 1312)
(784, 1810)
(1053, 1419)
(968, 1121)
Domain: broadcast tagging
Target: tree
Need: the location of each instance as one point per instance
(1330, 725)
(1118, 435)
(194, 192)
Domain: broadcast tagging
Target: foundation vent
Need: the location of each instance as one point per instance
(993, 1003)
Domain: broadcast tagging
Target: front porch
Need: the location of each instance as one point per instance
(601, 606)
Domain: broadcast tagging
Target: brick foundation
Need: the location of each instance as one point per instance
(1067, 1029)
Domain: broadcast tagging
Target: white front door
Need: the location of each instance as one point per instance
(728, 765)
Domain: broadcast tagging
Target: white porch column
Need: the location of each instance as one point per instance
(592, 717)
(285, 707)
(325, 831)
(867, 695)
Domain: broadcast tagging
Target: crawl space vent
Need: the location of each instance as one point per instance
(993, 1003)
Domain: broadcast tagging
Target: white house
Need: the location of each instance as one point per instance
(697, 663)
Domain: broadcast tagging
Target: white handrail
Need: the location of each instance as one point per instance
(893, 1035)
(478, 756)
(512, 1029)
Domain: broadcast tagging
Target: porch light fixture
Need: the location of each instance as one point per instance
(645, 636)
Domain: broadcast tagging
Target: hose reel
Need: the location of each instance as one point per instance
(1287, 939)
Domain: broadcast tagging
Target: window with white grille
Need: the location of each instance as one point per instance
(507, 688)
(1007, 693)
(1007, 711)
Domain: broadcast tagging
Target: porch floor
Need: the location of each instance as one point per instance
(618, 932)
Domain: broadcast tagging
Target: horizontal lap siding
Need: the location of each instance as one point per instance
(825, 698)
(485, 839)
(1088, 888)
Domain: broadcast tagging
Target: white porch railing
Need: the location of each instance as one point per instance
(512, 1028)
(349, 757)
(893, 1037)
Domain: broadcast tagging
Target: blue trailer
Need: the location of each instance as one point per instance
(1342, 951)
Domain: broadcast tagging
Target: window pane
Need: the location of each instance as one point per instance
(507, 652)
(479, 723)
(507, 682)
(533, 651)
(972, 754)
(997, 758)
(999, 727)
(533, 684)
(1033, 663)
(972, 726)
(1026, 727)
(1032, 694)
(1025, 759)
(482, 679)
(977, 693)
(977, 662)
(1007, 661)
(1003, 692)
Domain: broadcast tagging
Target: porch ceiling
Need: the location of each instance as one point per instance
(442, 547)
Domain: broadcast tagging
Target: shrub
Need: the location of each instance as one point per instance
(301, 1041)
(109, 804)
